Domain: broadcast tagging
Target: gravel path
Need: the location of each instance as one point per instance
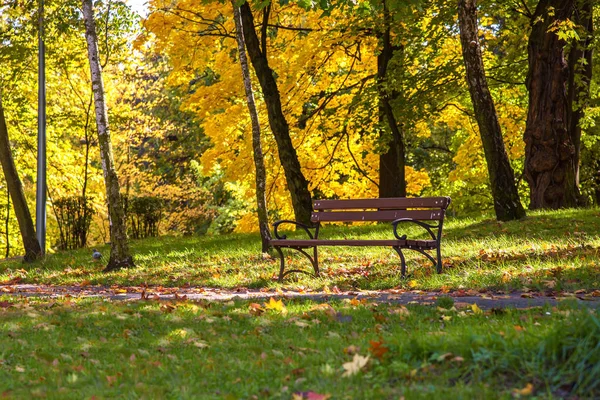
(485, 300)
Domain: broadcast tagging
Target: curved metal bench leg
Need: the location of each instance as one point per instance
(402, 260)
(282, 264)
(314, 261)
(438, 266)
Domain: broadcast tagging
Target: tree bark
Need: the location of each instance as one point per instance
(15, 188)
(120, 256)
(392, 163)
(259, 161)
(550, 146)
(507, 204)
(296, 182)
(580, 66)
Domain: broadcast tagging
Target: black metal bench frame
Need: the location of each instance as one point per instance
(426, 212)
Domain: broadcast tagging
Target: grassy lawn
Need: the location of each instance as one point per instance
(548, 251)
(90, 348)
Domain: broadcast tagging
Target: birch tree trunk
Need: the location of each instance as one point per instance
(296, 182)
(15, 189)
(259, 162)
(507, 204)
(120, 256)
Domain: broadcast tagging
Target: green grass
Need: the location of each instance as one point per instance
(75, 349)
(548, 251)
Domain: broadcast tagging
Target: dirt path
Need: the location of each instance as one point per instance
(485, 300)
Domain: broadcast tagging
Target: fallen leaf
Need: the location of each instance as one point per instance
(255, 309)
(301, 324)
(378, 349)
(476, 309)
(276, 305)
(526, 391)
(353, 367)
(310, 396)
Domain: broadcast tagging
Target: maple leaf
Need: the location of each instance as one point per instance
(276, 305)
(476, 309)
(378, 349)
(353, 367)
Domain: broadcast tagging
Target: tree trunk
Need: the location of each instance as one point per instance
(507, 204)
(120, 256)
(259, 162)
(296, 182)
(550, 147)
(580, 78)
(392, 180)
(15, 188)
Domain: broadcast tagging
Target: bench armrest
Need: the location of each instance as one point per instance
(285, 221)
(427, 227)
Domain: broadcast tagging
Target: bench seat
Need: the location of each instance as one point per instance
(423, 244)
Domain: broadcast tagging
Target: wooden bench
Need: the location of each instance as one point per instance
(426, 212)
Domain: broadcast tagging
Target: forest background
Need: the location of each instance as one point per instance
(181, 129)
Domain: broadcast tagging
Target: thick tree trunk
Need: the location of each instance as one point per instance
(259, 161)
(392, 179)
(507, 204)
(296, 182)
(550, 148)
(120, 256)
(15, 188)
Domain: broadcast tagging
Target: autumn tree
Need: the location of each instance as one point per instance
(392, 180)
(259, 163)
(559, 75)
(257, 50)
(504, 190)
(15, 189)
(120, 256)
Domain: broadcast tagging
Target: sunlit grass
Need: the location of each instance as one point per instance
(84, 348)
(548, 251)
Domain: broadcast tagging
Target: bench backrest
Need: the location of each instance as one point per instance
(388, 209)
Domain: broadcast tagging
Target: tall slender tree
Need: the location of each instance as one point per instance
(259, 162)
(257, 50)
(15, 189)
(392, 180)
(120, 256)
(507, 204)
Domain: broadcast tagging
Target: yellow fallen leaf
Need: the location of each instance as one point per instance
(526, 391)
(276, 305)
(476, 309)
(353, 367)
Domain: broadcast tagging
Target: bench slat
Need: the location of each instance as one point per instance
(374, 216)
(428, 244)
(389, 203)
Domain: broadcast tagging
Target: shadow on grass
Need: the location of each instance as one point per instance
(552, 226)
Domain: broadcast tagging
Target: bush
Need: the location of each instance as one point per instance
(73, 215)
(145, 214)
